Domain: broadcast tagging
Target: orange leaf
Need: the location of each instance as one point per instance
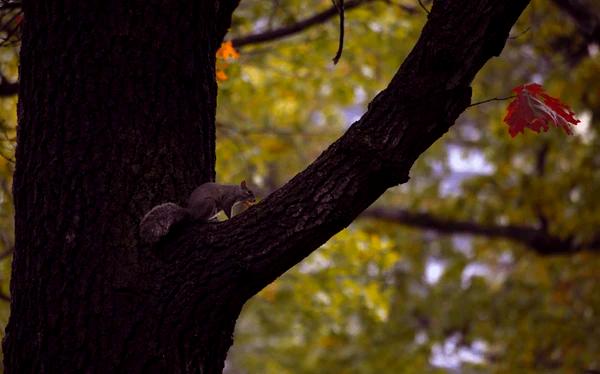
(221, 76)
(227, 51)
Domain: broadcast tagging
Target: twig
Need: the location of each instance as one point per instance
(339, 4)
(5, 25)
(7, 158)
(494, 99)
(423, 6)
(285, 31)
(520, 34)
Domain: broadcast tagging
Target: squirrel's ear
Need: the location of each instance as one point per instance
(243, 185)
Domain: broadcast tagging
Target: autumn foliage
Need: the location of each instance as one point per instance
(225, 55)
(534, 109)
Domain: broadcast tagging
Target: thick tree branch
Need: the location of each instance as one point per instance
(537, 239)
(421, 102)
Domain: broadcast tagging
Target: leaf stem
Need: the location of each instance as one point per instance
(494, 99)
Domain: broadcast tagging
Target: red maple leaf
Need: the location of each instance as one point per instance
(534, 109)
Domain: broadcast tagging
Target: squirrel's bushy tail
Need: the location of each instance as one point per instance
(158, 221)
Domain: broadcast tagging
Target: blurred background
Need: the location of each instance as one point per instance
(487, 260)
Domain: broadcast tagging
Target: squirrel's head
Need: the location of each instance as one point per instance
(247, 194)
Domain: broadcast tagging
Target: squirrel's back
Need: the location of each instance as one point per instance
(204, 202)
(211, 190)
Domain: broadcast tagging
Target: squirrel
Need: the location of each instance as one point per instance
(203, 204)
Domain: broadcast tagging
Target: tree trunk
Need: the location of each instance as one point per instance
(116, 114)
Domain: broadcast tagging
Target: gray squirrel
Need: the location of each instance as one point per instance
(203, 204)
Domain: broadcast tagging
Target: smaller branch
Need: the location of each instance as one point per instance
(494, 99)
(593, 243)
(537, 239)
(10, 24)
(317, 19)
(423, 6)
(8, 159)
(520, 34)
(285, 31)
(339, 4)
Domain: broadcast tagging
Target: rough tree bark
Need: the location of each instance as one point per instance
(117, 114)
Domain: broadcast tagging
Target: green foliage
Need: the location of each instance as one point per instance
(363, 302)
(383, 298)
(8, 69)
